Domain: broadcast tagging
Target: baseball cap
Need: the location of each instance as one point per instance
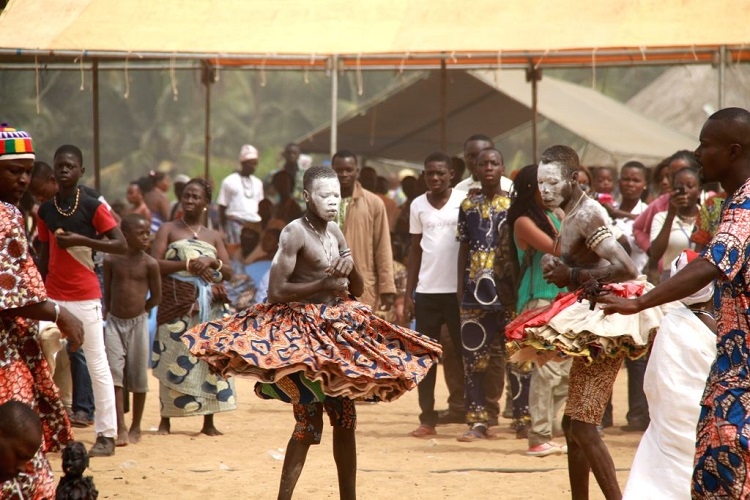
(181, 179)
(248, 152)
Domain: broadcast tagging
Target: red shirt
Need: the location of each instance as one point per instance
(67, 278)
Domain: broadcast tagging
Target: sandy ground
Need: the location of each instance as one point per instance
(246, 461)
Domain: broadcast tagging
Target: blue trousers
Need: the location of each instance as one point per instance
(83, 393)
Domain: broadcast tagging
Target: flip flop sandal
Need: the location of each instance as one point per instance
(423, 431)
(472, 435)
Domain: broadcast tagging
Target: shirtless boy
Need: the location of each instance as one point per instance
(128, 280)
(588, 251)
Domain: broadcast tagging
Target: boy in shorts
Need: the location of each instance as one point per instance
(128, 280)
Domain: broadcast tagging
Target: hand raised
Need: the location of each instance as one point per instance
(341, 267)
(67, 239)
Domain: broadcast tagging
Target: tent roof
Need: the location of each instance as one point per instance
(404, 123)
(386, 32)
(683, 97)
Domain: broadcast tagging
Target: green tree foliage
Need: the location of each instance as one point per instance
(155, 119)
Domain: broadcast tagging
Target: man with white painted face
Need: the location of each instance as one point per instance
(589, 256)
(311, 343)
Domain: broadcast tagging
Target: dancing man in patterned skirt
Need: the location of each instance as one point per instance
(311, 344)
(590, 255)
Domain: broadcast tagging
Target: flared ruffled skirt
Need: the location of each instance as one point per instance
(569, 327)
(303, 353)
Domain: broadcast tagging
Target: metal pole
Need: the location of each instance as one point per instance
(533, 75)
(207, 80)
(443, 106)
(722, 65)
(334, 104)
(95, 111)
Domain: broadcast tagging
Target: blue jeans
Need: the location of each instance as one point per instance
(83, 393)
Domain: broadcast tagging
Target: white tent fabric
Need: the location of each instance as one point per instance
(405, 122)
(606, 123)
(684, 96)
(376, 26)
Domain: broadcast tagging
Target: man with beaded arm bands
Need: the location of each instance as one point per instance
(589, 257)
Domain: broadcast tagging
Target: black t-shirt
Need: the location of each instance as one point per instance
(81, 221)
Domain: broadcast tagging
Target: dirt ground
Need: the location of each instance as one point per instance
(246, 461)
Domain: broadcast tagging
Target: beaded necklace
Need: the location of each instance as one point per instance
(327, 249)
(562, 222)
(195, 233)
(70, 211)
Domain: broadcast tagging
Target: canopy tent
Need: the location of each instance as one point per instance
(336, 35)
(405, 123)
(683, 97)
(378, 32)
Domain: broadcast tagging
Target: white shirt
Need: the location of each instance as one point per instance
(625, 225)
(438, 272)
(241, 195)
(469, 183)
(679, 236)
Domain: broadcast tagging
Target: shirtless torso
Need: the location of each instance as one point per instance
(588, 250)
(587, 247)
(313, 263)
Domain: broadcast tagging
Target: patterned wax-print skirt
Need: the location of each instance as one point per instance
(186, 385)
(569, 327)
(302, 352)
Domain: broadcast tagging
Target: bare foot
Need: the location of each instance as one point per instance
(135, 435)
(163, 429)
(211, 431)
(122, 439)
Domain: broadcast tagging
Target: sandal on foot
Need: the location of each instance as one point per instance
(423, 431)
(475, 434)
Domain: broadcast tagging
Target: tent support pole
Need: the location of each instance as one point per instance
(207, 77)
(533, 75)
(334, 104)
(722, 65)
(95, 112)
(443, 106)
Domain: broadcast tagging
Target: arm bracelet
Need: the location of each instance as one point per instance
(575, 276)
(57, 311)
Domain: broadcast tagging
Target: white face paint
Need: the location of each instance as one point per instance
(552, 185)
(324, 198)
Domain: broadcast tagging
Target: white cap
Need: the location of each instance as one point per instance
(181, 179)
(248, 152)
